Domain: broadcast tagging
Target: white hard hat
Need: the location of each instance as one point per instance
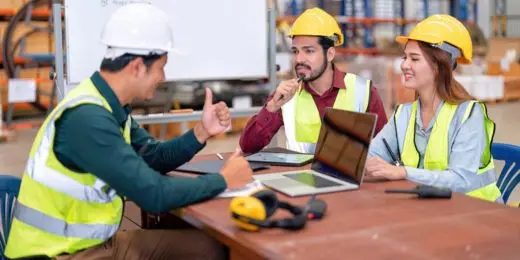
(137, 28)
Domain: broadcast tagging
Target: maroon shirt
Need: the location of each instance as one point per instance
(262, 127)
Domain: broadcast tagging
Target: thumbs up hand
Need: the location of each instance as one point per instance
(216, 118)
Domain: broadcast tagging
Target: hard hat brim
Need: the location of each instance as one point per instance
(338, 42)
(114, 52)
(402, 39)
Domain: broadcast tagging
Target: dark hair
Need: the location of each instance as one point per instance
(447, 87)
(120, 62)
(325, 43)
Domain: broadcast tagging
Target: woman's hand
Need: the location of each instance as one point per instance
(378, 168)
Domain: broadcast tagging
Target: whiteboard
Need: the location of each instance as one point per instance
(219, 39)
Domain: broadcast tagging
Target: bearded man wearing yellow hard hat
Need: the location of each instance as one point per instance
(300, 106)
(443, 138)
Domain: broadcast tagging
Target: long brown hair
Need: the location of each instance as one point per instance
(447, 87)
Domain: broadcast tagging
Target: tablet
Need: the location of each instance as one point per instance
(282, 159)
(213, 166)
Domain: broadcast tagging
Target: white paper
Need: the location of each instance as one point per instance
(21, 90)
(244, 191)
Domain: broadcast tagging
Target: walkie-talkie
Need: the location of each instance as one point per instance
(315, 208)
(425, 192)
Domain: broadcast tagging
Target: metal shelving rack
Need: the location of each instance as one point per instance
(15, 57)
(359, 18)
(499, 18)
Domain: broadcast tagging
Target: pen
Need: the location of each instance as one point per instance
(395, 158)
(220, 156)
(300, 79)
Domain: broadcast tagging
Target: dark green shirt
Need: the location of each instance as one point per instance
(89, 139)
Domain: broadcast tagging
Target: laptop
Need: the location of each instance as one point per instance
(339, 159)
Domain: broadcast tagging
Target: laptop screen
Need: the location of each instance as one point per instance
(342, 147)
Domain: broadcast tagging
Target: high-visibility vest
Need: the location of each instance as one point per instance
(436, 155)
(301, 118)
(60, 210)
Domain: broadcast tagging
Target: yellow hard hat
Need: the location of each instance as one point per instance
(316, 22)
(441, 28)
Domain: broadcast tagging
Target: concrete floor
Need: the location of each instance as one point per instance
(13, 154)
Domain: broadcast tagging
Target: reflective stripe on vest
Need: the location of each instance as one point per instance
(61, 228)
(59, 210)
(436, 156)
(58, 181)
(302, 121)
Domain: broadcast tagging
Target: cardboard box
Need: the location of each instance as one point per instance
(512, 88)
(498, 48)
(40, 42)
(11, 4)
(494, 68)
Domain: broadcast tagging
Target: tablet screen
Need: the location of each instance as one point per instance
(280, 158)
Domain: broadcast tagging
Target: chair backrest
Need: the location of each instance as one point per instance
(9, 187)
(510, 175)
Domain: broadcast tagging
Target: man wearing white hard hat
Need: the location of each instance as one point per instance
(89, 156)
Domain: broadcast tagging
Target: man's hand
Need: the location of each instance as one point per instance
(236, 171)
(216, 118)
(283, 93)
(378, 168)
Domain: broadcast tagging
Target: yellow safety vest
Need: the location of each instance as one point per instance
(59, 210)
(436, 156)
(302, 121)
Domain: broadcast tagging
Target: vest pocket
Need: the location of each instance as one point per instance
(308, 133)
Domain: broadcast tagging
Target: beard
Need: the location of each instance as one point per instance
(315, 74)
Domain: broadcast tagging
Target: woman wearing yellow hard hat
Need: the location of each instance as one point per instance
(443, 138)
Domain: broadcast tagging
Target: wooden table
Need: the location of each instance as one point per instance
(369, 224)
